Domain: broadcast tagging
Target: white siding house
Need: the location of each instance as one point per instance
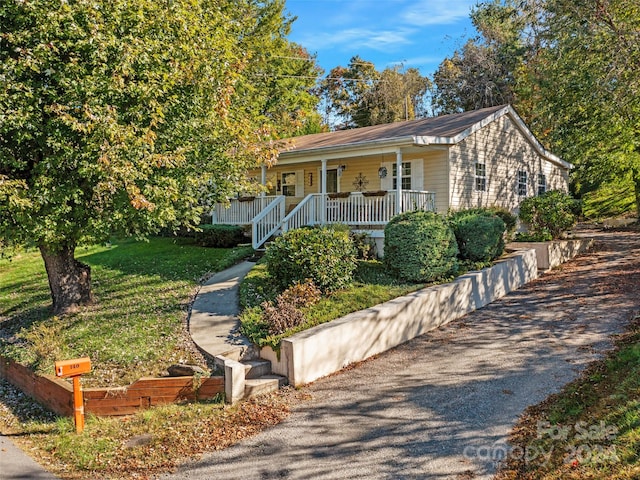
(500, 164)
(362, 177)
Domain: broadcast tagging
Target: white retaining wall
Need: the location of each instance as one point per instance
(327, 348)
(551, 254)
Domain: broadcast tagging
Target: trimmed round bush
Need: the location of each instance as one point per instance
(324, 255)
(480, 235)
(548, 215)
(420, 247)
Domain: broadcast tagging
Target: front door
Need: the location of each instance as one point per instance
(332, 181)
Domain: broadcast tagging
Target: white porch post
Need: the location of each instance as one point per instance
(323, 197)
(398, 181)
(263, 179)
(263, 182)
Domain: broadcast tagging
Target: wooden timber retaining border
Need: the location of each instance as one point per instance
(57, 395)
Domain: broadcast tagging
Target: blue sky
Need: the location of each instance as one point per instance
(415, 33)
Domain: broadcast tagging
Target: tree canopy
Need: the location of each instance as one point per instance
(572, 69)
(125, 117)
(482, 73)
(359, 95)
(584, 88)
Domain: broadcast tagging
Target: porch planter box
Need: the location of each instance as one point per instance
(377, 193)
(246, 199)
(339, 195)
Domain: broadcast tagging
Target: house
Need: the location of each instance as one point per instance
(362, 177)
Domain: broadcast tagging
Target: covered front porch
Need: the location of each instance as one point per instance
(267, 216)
(287, 209)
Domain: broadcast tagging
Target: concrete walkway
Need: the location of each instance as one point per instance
(213, 322)
(442, 405)
(15, 464)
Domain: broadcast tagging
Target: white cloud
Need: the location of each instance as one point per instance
(354, 38)
(436, 12)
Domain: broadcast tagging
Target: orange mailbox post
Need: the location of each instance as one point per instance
(74, 368)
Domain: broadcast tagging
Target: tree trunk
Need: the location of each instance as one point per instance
(636, 183)
(69, 279)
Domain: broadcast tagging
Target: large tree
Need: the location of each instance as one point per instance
(483, 72)
(583, 88)
(119, 116)
(279, 81)
(359, 95)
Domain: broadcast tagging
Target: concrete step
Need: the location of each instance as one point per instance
(264, 384)
(256, 368)
(239, 353)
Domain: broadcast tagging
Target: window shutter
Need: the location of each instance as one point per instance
(417, 175)
(299, 183)
(386, 183)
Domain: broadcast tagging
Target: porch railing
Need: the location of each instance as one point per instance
(305, 213)
(267, 222)
(241, 211)
(355, 209)
(418, 200)
(266, 214)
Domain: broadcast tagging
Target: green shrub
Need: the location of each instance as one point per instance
(324, 255)
(480, 235)
(530, 237)
(548, 215)
(510, 221)
(220, 236)
(420, 247)
(365, 246)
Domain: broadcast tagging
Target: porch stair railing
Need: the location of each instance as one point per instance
(305, 213)
(267, 222)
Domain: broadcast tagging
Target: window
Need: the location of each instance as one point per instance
(406, 176)
(289, 184)
(522, 183)
(542, 183)
(481, 177)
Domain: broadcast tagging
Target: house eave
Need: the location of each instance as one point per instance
(513, 115)
(357, 149)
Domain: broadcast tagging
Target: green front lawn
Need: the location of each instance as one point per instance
(136, 326)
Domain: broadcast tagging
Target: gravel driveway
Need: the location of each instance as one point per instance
(441, 406)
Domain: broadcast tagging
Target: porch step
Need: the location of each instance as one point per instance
(264, 246)
(264, 384)
(256, 368)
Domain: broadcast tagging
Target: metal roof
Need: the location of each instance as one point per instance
(442, 130)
